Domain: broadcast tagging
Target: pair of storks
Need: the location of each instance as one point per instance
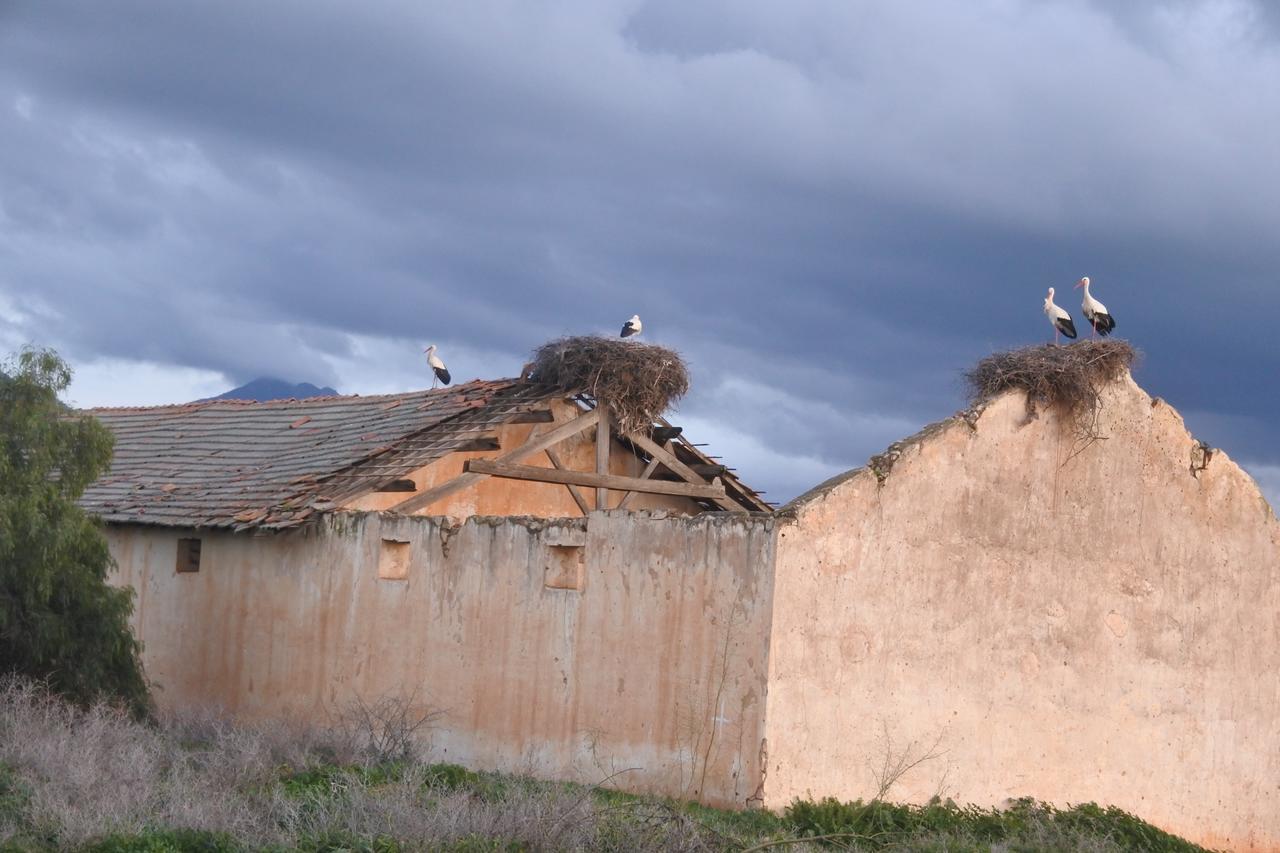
(1095, 312)
(629, 328)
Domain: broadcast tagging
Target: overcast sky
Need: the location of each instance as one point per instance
(831, 207)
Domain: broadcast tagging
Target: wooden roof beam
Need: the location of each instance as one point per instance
(573, 490)
(669, 459)
(587, 478)
(648, 471)
(530, 447)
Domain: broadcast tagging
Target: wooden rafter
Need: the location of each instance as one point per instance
(538, 474)
(533, 445)
(669, 459)
(644, 475)
(747, 497)
(573, 490)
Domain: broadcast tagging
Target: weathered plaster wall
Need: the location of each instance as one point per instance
(496, 496)
(657, 661)
(1074, 626)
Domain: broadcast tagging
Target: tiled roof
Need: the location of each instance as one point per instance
(241, 464)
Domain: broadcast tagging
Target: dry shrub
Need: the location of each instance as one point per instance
(638, 382)
(71, 775)
(389, 727)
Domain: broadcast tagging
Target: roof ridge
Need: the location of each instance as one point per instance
(280, 402)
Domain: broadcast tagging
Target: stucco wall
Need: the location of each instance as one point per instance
(1100, 626)
(656, 662)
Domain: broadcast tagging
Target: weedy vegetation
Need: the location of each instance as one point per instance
(97, 778)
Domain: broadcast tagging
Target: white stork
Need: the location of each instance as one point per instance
(1095, 312)
(1059, 318)
(437, 366)
(632, 326)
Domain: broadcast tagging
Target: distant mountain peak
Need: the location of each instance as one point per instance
(270, 388)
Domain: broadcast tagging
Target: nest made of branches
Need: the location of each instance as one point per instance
(1068, 376)
(638, 382)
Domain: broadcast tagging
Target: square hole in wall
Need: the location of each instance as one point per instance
(566, 567)
(188, 555)
(393, 560)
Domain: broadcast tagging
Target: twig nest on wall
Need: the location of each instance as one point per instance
(1069, 376)
(638, 382)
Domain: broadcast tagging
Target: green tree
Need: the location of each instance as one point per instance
(59, 619)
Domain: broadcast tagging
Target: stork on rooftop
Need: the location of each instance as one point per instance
(1059, 318)
(632, 326)
(437, 366)
(1095, 312)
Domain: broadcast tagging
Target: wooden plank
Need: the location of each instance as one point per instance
(587, 478)
(699, 468)
(746, 494)
(644, 475)
(530, 447)
(573, 490)
(604, 438)
(663, 434)
(669, 459)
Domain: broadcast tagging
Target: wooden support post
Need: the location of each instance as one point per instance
(604, 438)
(538, 474)
(530, 447)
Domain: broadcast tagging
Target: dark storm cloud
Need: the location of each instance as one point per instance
(830, 207)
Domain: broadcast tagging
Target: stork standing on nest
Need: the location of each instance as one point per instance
(437, 367)
(1059, 318)
(631, 327)
(1095, 312)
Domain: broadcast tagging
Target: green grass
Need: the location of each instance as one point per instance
(166, 841)
(1026, 825)
(622, 821)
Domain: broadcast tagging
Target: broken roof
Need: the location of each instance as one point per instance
(239, 463)
(270, 465)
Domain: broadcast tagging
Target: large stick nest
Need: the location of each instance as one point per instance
(638, 382)
(1069, 376)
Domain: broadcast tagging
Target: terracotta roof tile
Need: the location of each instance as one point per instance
(239, 464)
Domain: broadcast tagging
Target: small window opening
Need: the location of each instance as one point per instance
(188, 555)
(393, 561)
(566, 567)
